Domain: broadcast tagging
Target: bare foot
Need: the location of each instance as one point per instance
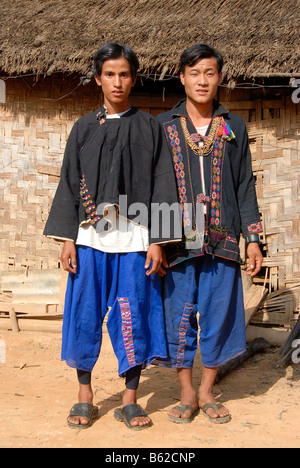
(208, 397)
(187, 398)
(129, 398)
(206, 393)
(188, 395)
(85, 395)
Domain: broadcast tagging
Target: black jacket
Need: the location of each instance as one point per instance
(107, 158)
(237, 203)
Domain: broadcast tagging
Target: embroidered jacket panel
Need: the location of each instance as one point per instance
(230, 198)
(105, 159)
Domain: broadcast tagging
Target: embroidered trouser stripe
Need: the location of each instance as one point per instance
(183, 328)
(135, 322)
(213, 287)
(127, 329)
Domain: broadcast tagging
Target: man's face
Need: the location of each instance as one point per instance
(116, 82)
(201, 81)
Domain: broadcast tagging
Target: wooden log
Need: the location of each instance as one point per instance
(259, 345)
(277, 336)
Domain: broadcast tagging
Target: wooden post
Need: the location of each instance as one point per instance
(14, 320)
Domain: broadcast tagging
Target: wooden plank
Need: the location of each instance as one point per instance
(30, 309)
(48, 169)
(252, 300)
(48, 326)
(14, 320)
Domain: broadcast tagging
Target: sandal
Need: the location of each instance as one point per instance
(182, 409)
(215, 407)
(129, 412)
(84, 410)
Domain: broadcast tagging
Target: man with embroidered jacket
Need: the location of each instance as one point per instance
(113, 254)
(212, 162)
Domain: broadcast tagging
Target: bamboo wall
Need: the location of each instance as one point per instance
(32, 142)
(274, 131)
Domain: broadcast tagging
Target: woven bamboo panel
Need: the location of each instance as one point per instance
(274, 130)
(32, 142)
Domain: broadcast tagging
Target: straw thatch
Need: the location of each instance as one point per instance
(256, 37)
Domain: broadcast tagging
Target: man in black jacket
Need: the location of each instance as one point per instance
(212, 162)
(115, 153)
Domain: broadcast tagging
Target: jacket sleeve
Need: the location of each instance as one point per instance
(63, 220)
(166, 218)
(247, 200)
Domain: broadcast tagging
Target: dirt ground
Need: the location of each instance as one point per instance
(37, 390)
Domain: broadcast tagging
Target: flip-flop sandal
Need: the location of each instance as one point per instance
(84, 410)
(215, 407)
(129, 412)
(182, 409)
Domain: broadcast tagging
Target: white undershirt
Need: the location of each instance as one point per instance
(122, 236)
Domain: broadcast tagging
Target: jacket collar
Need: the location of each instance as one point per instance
(179, 110)
(102, 112)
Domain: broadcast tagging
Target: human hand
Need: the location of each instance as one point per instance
(157, 255)
(68, 257)
(255, 259)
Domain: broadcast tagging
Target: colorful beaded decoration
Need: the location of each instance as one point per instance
(100, 117)
(219, 129)
(208, 141)
(225, 132)
(201, 198)
(84, 193)
(213, 143)
(88, 202)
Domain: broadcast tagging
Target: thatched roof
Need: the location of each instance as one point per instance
(255, 36)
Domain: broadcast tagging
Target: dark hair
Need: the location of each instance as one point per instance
(196, 52)
(112, 50)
